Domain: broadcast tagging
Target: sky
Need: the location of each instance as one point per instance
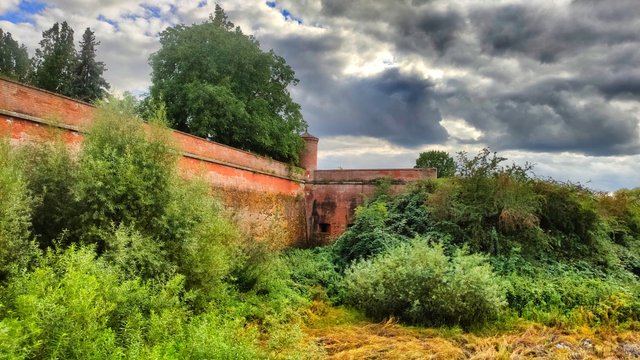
(555, 83)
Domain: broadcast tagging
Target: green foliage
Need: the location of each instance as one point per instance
(409, 215)
(368, 236)
(554, 295)
(14, 59)
(137, 255)
(76, 306)
(89, 85)
(227, 89)
(56, 66)
(126, 175)
(16, 247)
(441, 160)
(315, 273)
(203, 243)
(56, 60)
(489, 207)
(418, 283)
(51, 175)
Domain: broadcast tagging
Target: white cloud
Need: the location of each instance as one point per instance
(460, 129)
(8, 6)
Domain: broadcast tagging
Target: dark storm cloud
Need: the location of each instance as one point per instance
(437, 28)
(543, 77)
(552, 115)
(414, 25)
(547, 34)
(391, 105)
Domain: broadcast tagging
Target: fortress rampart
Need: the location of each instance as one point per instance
(270, 200)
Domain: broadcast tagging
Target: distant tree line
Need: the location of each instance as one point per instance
(56, 66)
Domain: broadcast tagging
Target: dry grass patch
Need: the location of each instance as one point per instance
(344, 335)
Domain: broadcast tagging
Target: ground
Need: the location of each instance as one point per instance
(343, 334)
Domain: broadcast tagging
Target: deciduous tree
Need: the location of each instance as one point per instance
(217, 83)
(440, 160)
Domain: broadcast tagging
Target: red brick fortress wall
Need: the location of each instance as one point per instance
(264, 196)
(333, 196)
(270, 200)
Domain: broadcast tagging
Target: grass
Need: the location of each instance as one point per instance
(345, 334)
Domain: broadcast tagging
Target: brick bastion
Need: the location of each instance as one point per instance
(270, 200)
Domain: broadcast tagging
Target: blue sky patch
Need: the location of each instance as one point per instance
(284, 12)
(152, 11)
(108, 21)
(24, 12)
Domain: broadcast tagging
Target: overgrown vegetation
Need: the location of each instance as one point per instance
(560, 254)
(106, 252)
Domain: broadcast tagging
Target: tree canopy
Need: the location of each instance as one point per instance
(56, 65)
(56, 60)
(89, 85)
(14, 59)
(440, 160)
(217, 83)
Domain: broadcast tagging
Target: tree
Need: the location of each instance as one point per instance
(440, 160)
(218, 84)
(55, 61)
(14, 59)
(89, 85)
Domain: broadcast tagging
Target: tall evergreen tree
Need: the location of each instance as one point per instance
(14, 59)
(89, 85)
(55, 61)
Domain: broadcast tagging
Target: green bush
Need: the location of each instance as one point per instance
(73, 305)
(16, 247)
(51, 174)
(315, 273)
(418, 283)
(125, 176)
(137, 255)
(557, 295)
(368, 236)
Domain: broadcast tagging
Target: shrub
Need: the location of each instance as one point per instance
(51, 174)
(137, 255)
(16, 247)
(568, 296)
(418, 283)
(488, 207)
(409, 215)
(314, 271)
(205, 246)
(368, 236)
(125, 176)
(568, 212)
(74, 305)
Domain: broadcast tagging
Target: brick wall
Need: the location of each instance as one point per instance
(270, 200)
(264, 196)
(333, 195)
